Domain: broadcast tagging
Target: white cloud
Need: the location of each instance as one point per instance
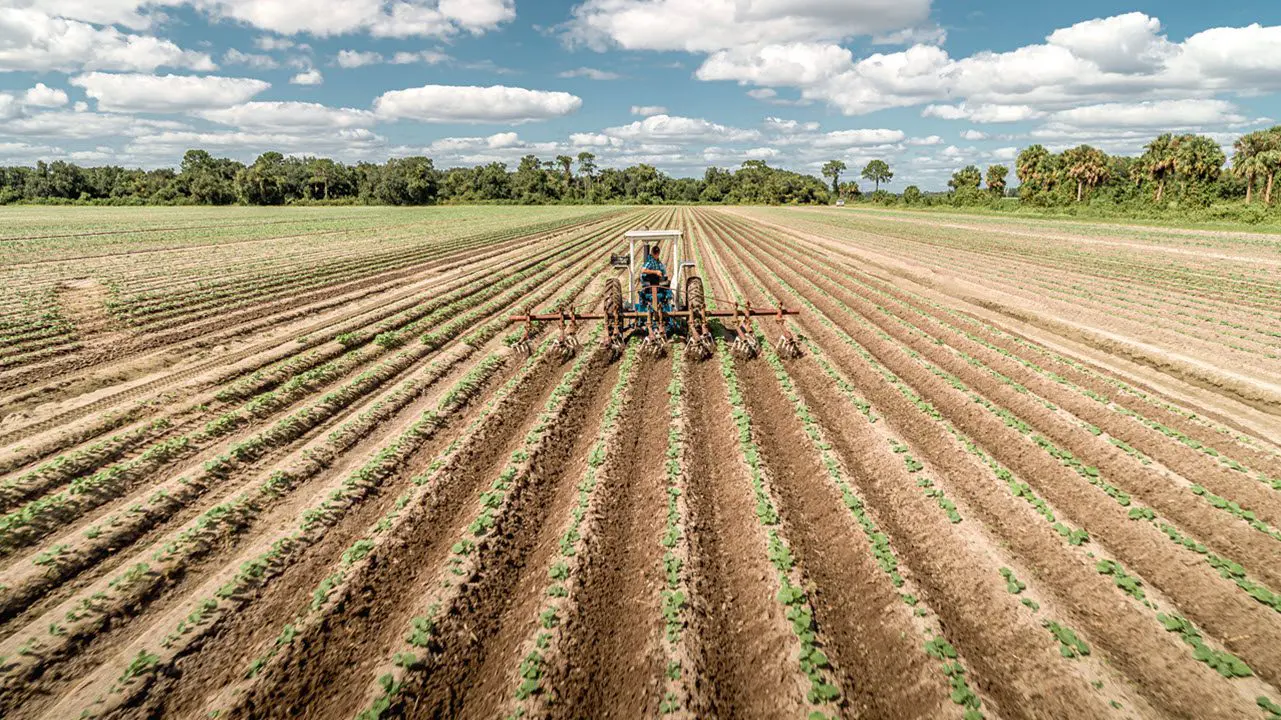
(348, 144)
(32, 40)
(82, 125)
(1108, 60)
(44, 96)
(384, 18)
(471, 104)
(307, 77)
(254, 60)
(1122, 44)
(594, 140)
(711, 25)
(132, 92)
(789, 126)
(856, 138)
(10, 106)
(676, 129)
(986, 113)
(1005, 154)
(288, 116)
(590, 74)
(269, 43)
(429, 57)
(928, 140)
(647, 110)
(357, 58)
(100, 12)
(1151, 114)
(972, 134)
(81, 106)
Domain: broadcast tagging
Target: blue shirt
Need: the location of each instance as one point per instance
(652, 263)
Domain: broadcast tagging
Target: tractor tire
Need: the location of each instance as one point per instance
(694, 301)
(612, 305)
(699, 345)
(613, 301)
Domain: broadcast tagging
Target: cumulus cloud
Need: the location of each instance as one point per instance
(711, 25)
(972, 134)
(928, 140)
(357, 58)
(31, 39)
(84, 125)
(1151, 114)
(647, 110)
(308, 77)
(271, 116)
(384, 18)
(134, 92)
(428, 57)
(44, 96)
(590, 74)
(676, 129)
(1107, 60)
(471, 104)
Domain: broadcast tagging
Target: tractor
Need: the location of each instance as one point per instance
(658, 307)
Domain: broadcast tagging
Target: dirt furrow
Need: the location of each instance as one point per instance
(612, 650)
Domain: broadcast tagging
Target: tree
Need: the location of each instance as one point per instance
(849, 189)
(587, 170)
(530, 181)
(263, 183)
(567, 168)
(1088, 166)
(1247, 162)
(407, 181)
(996, 179)
(1158, 161)
(912, 195)
(832, 170)
(1197, 160)
(878, 172)
(968, 177)
(1038, 173)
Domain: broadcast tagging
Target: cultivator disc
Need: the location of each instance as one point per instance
(745, 345)
(567, 342)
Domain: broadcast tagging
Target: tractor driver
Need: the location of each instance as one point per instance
(653, 272)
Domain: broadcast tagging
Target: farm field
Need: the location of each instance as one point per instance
(287, 463)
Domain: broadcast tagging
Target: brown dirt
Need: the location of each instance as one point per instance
(747, 644)
(615, 662)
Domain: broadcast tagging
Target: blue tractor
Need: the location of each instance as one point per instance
(661, 306)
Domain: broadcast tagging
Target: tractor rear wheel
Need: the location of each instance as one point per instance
(699, 345)
(613, 310)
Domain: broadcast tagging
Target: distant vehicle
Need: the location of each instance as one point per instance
(840, 203)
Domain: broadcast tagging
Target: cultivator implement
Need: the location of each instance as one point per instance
(663, 310)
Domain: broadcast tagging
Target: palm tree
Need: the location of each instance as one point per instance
(1197, 159)
(1088, 166)
(1036, 168)
(1270, 159)
(967, 177)
(996, 179)
(1159, 161)
(1246, 163)
(878, 172)
(833, 169)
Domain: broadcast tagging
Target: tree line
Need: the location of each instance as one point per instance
(1176, 174)
(274, 179)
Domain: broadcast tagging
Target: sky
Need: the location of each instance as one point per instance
(928, 86)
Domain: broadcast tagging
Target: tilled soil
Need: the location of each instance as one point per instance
(988, 506)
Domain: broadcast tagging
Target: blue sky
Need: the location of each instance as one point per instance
(681, 84)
